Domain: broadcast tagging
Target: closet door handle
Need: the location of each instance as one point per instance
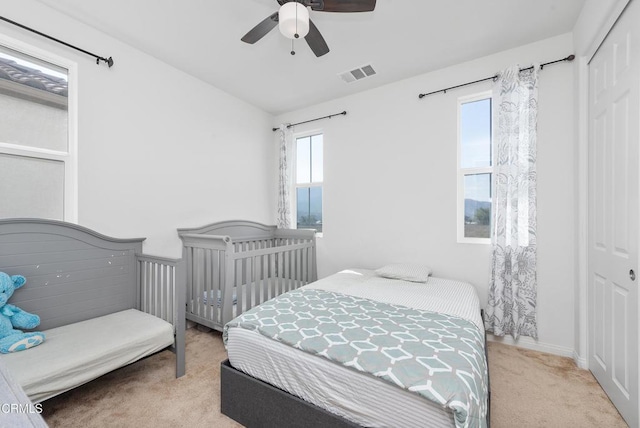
(632, 275)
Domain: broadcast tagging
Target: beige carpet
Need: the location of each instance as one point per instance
(529, 389)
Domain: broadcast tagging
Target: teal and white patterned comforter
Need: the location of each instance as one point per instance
(437, 356)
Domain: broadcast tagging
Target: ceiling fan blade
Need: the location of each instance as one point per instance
(343, 5)
(261, 30)
(316, 41)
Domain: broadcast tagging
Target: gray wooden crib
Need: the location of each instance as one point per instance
(233, 266)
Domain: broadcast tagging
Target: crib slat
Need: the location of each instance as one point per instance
(143, 291)
(280, 283)
(216, 304)
(148, 286)
(255, 283)
(207, 295)
(199, 282)
(152, 280)
(299, 267)
(158, 302)
(228, 288)
(272, 275)
(145, 286)
(287, 264)
(262, 274)
(292, 269)
(168, 294)
(263, 278)
(161, 290)
(247, 284)
(152, 289)
(303, 278)
(215, 266)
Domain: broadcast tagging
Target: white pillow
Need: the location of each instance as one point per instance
(405, 271)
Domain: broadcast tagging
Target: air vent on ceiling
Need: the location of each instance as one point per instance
(357, 73)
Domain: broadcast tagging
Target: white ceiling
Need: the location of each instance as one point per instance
(401, 38)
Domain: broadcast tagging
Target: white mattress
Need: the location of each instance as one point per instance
(365, 400)
(440, 295)
(78, 353)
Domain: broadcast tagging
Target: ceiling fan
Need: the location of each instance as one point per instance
(293, 20)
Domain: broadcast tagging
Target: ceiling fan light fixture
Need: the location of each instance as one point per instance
(293, 19)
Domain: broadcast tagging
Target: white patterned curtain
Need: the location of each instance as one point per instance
(511, 306)
(284, 220)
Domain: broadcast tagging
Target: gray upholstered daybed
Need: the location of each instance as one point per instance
(235, 265)
(102, 303)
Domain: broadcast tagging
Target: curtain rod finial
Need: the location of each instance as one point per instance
(570, 57)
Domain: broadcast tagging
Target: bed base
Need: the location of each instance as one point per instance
(255, 403)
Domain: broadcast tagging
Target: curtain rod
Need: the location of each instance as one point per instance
(108, 61)
(444, 91)
(313, 120)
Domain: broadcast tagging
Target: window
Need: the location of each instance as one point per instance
(37, 155)
(308, 182)
(475, 169)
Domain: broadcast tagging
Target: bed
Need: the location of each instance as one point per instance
(102, 303)
(235, 265)
(321, 390)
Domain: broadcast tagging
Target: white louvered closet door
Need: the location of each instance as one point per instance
(614, 193)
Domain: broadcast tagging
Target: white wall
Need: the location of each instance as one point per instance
(158, 149)
(390, 181)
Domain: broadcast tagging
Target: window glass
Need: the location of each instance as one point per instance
(477, 206)
(309, 176)
(33, 101)
(475, 168)
(303, 160)
(20, 175)
(316, 159)
(475, 134)
(309, 207)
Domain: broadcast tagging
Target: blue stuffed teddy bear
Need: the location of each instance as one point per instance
(12, 340)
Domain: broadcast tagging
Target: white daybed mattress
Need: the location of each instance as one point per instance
(75, 354)
(365, 400)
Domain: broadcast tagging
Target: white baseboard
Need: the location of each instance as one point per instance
(580, 361)
(529, 343)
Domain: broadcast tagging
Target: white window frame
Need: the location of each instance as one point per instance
(294, 181)
(69, 158)
(462, 172)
